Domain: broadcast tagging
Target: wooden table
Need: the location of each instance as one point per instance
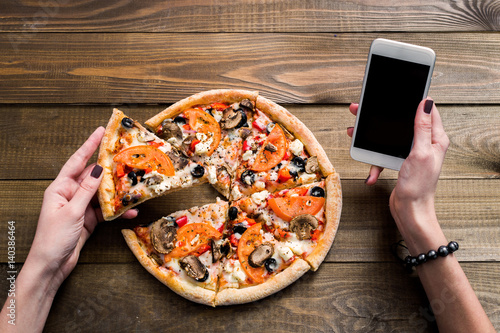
(65, 65)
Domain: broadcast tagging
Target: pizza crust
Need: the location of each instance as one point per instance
(332, 214)
(182, 287)
(282, 116)
(203, 98)
(231, 296)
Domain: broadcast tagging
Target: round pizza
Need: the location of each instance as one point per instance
(282, 195)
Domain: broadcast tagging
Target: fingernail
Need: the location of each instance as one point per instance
(428, 106)
(367, 178)
(96, 171)
(350, 127)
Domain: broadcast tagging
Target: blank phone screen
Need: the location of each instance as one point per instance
(393, 90)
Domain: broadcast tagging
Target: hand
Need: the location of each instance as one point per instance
(70, 212)
(374, 170)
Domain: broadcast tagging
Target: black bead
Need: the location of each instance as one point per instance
(198, 171)
(408, 260)
(413, 261)
(317, 191)
(127, 122)
(432, 255)
(422, 257)
(232, 213)
(271, 264)
(442, 251)
(452, 246)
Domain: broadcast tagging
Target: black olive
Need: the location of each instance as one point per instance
(317, 191)
(293, 172)
(127, 122)
(140, 173)
(204, 278)
(243, 121)
(180, 120)
(299, 163)
(210, 111)
(271, 264)
(248, 177)
(270, 127)
(232, 213)
(239, 229)
(133, 177)
(127, 199)
(198, 171)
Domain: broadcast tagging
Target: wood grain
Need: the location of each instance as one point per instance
(287, 68)
(32, 151)
(467, 209)
(249, 16)
(347, 297)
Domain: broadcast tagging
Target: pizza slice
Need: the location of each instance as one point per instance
(210, 131)
(139, 166)
(279, 153)
(183, 250)
(257, 264)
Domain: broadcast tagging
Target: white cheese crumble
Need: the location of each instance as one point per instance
(217, 115)
(307, 177)
(260, 197)
(246, 155)
(235, 271)
(260, 185)
(273, 176)
(296, 147)
(285, 253)
(212, 174)
(204, 145)
(296, 247)
(235, 193)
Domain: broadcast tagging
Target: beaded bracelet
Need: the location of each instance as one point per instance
(443, 251)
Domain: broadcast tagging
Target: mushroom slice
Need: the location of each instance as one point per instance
(177, 159)
(219, 249)
(163, 236)
(302, 225)
(246, 103)
(169, 130)
(270, 147)
(194, 268)
(312, 165)
(261, 253)
(233, 118)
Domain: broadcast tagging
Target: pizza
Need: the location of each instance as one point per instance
(282, 195)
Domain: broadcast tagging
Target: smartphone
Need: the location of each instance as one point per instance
(397, 78)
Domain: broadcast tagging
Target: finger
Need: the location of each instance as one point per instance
(130, 214)
(438, 134)
(88, 188)
(350, 131)
(374, 174)
(423, 125)
(354, 108)
(85, 173)
(76, 163)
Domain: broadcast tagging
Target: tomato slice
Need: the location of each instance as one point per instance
(250, 239)
(288, 208)
(193, 237)
(267, 159)
(201, 121)
(146, 158)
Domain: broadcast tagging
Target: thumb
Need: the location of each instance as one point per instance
(88, 188)
(423, 124)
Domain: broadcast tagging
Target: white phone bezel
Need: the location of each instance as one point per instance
(397, 50)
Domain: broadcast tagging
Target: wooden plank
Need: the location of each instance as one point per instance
(339, 297)
(468, 211)
(288, 68)
(249, 16)
(33, 151)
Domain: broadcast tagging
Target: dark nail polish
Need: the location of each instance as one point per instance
(96, 171)
(428, 106)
